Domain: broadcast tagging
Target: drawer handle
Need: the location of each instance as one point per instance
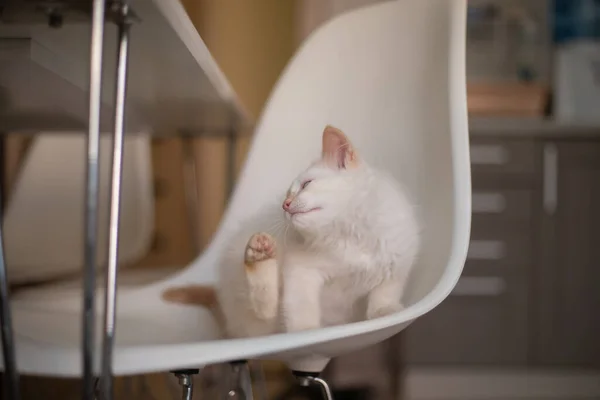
(489, 154)
(550, 190)
(488, 203)
(479, 286)
(486, 250)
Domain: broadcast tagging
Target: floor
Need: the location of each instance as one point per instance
(499, 384)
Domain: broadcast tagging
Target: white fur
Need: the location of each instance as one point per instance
(347, 261)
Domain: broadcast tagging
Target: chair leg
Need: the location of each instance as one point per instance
(187, 382)
(259, 379)
(314, 380)
(241, 387)
(89, 384)
(116, 172)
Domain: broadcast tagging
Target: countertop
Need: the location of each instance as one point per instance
(531, 127)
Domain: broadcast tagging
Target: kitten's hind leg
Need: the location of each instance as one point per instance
(262, 275)
(385, 299)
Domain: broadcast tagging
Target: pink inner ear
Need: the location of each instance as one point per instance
(337, 149)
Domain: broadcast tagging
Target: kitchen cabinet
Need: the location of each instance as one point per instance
(567, 288)
(484, 320)
(530, 290)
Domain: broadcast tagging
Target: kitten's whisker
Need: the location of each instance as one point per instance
(276, 227)
(287, 227)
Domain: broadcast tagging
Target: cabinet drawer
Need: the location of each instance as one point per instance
(483, 321)
(500, 208)
(498, 254)
(500, 155)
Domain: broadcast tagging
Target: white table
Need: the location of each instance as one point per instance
(173, 86)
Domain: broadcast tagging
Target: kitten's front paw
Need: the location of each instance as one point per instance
(260, 247)
(384, 311)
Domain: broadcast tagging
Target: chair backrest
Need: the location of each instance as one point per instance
(392, 76)
(43, 224)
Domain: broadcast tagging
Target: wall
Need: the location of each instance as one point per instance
(251, 41)
(310, 14)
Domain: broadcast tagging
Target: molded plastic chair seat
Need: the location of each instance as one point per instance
(392, 76)
(43, 225)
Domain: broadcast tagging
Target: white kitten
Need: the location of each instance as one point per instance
(350, 240)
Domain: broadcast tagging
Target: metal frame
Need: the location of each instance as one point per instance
(92, 189)
(91, 199)
(315, 380)
(94, 385)
(187, 384)
(241, 380)
(110, 291)
(186, 380)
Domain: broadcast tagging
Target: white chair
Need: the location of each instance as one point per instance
(49, 193)
(392, 76)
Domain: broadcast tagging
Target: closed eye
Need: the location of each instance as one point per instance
(305, 184)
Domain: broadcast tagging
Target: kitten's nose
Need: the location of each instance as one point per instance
(286, 204)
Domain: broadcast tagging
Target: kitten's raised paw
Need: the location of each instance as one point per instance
(384, 311)
(260, 247)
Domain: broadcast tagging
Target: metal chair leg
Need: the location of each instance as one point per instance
(314, 380)
(110, 297)
(257, 374)
(187, 382)
(91, 199)
(324, 388)
(241, 379)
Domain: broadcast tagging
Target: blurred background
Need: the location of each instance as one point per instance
(524, 321)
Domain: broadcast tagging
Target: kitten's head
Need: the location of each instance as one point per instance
(319, 197)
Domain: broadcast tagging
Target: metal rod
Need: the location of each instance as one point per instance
(258, 376)
(110, 297)
(324, 388)
(315, 380)
(11, 375)
(187, 383)
(246, 381)
(91, 199)
(242, 380)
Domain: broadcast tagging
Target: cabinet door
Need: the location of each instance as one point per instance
(485, 319)
(567, 278)
(483, 322)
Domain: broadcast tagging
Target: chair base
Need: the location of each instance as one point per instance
(186, 381)
(314, 364)
(310, 379)
(240, 380)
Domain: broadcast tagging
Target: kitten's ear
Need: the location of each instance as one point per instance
(337, 149)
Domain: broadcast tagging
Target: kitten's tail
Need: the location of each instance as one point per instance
(196, 295)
